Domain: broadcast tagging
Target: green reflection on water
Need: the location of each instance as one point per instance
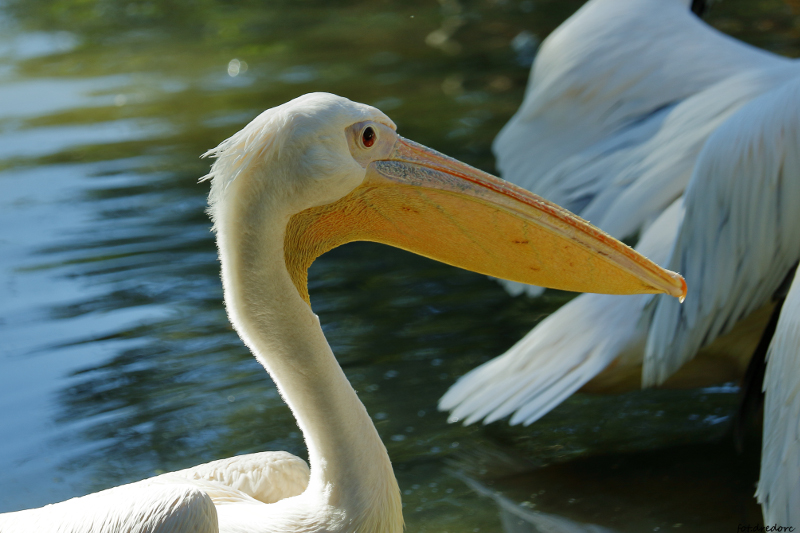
(180, 388)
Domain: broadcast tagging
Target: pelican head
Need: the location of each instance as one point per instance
(297, 152)
(337, 171)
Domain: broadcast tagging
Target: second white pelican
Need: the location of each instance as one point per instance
(652, 99)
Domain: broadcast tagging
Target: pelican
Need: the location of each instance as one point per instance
(668, 128)
(740, 242)
(300, 179)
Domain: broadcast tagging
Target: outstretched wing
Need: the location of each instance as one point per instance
(605, 80)
(565, 350)
(621, 98)
(640, 181)
(779, 486)
(739, 236)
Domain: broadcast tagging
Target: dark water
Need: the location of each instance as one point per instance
(116, 358)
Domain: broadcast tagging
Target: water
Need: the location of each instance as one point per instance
(116, 359)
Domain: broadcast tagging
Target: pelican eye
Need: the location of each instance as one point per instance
(368, 136)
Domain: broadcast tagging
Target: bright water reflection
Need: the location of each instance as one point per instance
(116, 358)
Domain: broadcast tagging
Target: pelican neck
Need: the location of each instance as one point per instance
(350, 467)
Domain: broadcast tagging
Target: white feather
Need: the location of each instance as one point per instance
(186, 500)
(779, 486)
(603, 80)
(739, 235)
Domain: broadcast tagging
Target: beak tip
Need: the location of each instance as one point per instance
(679, 293)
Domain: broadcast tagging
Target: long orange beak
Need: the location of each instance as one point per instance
(427, 203)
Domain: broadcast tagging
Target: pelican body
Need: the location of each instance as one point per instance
(300, 179)
(665, 127)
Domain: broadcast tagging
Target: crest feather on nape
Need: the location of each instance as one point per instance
(238, 153)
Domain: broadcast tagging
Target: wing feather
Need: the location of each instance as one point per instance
(603, 81)
(779, 485)
(180, 501)
(144, 507)
(739, 236)
(266, 476)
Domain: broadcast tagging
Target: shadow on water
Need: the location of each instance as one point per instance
(113, 332)
(632, 492)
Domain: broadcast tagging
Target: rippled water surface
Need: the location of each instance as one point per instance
(116, 358)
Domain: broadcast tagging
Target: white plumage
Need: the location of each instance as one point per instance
(186, 500)
(739, 237)
(729, 131)
(738, 242)
(779, 486)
